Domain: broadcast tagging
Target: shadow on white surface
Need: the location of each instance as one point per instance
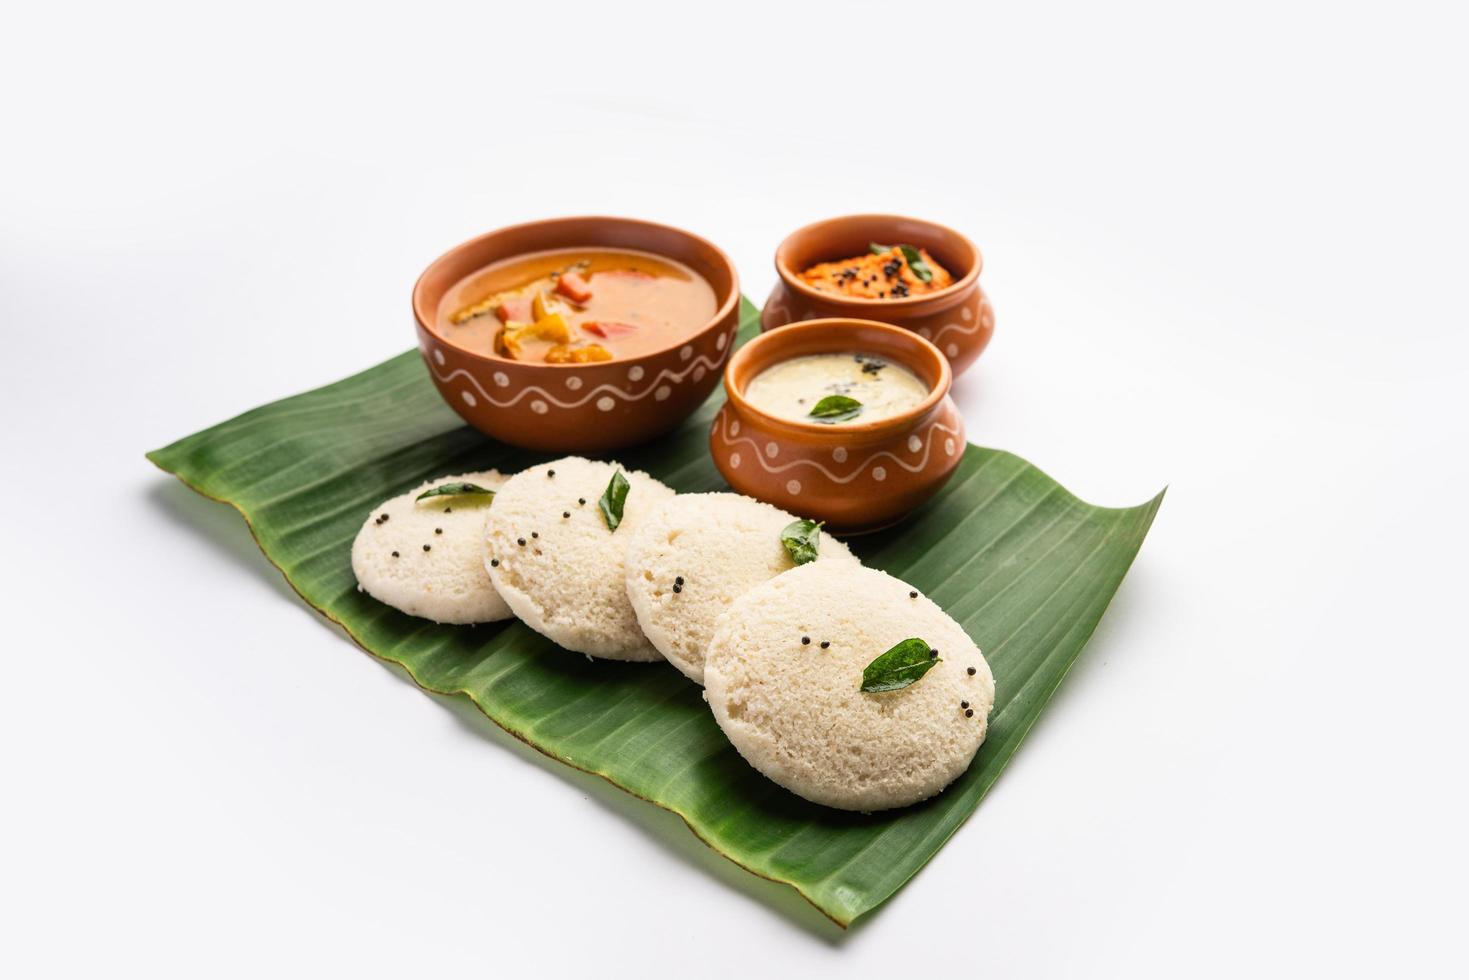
(657, 824)
(222, 527)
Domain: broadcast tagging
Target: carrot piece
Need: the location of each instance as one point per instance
(573, 287)
(608, 328)
(515, 308)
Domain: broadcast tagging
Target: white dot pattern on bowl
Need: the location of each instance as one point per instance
(469, 398)
(793, 487)
(539, 407)
(573, 382)
(501, 379)
(635, 373)
(734, 460)
(839, 454)
(771, 450)
(662, 393)
(605, 403)
(879, 473)
(914, 444)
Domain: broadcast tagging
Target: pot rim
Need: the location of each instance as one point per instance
(765, 348)
(862, 306)
(423, 317)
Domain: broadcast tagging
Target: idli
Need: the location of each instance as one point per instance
(556, 554)
(426, 557)
(784, 675)
(695, 555)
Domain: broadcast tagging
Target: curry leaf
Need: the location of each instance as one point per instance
(802, 540)
(915, 262)
(613, 499)
(836, 408)
(907, 661)
(455, 490)
(920, 268)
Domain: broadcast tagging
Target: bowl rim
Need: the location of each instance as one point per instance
(893, 423)
(730, 303)
(793, 281)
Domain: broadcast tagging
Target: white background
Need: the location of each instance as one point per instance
(1226, 247)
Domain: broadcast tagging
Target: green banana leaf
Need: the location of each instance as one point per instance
(1026, 567)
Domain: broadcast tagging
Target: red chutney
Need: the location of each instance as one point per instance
(886, 272)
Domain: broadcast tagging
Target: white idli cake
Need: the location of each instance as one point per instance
(698, 553)
(785, 675)
(426, 557)
(557, 557)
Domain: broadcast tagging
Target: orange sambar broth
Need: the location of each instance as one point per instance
(653, 301)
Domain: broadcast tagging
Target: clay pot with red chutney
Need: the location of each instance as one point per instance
(957, 318)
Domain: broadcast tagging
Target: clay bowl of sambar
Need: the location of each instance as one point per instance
(915, 274)
(577, 335)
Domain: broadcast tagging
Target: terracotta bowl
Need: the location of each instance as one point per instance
(581, 408)
(958, 319)
(855, 477)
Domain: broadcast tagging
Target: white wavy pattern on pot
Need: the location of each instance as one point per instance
(779, 309)
(605, 390)
(723, 424)
(972, 323)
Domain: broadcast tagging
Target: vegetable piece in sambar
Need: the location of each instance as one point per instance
(576, 306)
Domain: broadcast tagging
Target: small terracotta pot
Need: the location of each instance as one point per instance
(855, 477)
(579, 408)
(958, 318)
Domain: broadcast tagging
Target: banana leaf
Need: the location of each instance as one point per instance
(1026, 567)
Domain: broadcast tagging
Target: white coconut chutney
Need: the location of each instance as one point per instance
(793, 389)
